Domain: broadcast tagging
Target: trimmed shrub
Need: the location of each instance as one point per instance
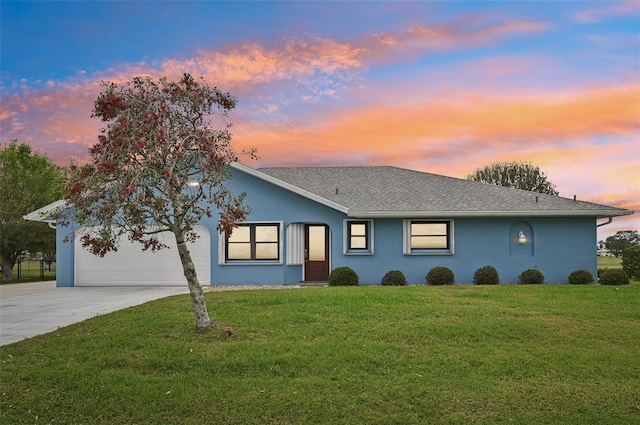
(343, 276)
(440, 276)
(531, 277)
(614, 277)
(394, 278)
(486, 275)
(631, 262)
(581, 277)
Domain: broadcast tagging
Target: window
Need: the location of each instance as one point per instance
(428, 237)
(358, 237)
(254, 242)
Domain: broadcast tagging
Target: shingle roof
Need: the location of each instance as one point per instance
(397, 192)
(365, 192)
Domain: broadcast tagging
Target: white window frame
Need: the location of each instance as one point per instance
(406, 238)
(222, 248)
(345, 237)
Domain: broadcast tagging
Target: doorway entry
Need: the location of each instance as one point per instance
(316, 253)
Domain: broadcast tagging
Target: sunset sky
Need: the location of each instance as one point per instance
(442, 87)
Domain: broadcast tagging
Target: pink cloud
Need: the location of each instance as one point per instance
(468, 31)
(485, 121)
(322, 66)
(609, 9)
(558, 132)
(605, 174)
(443, 127)
(55, 116)
(240, 68)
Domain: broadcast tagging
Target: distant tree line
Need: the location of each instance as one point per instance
(517, 175)
(622, 240)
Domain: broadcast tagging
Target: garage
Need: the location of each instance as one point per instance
(130, 266)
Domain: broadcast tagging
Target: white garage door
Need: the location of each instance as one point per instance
(130, 266)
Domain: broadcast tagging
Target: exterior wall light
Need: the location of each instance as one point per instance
(522, 238)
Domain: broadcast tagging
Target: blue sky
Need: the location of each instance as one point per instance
(443, 87)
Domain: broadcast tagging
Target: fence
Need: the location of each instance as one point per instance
(35, 269)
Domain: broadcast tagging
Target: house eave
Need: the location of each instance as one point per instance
(44, 214)
(469, 214)
(256, 173)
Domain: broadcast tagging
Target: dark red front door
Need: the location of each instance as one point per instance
(316, 249)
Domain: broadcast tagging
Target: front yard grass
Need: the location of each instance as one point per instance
(609, 262)
(517, 354)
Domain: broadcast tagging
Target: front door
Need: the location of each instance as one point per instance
(316, 250)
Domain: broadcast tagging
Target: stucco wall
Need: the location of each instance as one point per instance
(64, 257)
(560, 246)
(555, 246)
(271, 203)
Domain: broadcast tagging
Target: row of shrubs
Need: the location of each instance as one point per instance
(487, 275)
(345, 276)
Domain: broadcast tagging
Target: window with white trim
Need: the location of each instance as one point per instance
(425, 237)
(358, 237)
(254, 242)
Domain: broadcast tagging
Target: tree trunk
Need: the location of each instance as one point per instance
(7, 269)
(197, 297)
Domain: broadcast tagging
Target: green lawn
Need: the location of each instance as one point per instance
(609, 262)
(516, 354)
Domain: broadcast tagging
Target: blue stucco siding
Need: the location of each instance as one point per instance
(65, 258)
(560, 245)
(555, 245)
(271, 203)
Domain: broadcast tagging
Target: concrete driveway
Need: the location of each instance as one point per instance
(30, 309)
